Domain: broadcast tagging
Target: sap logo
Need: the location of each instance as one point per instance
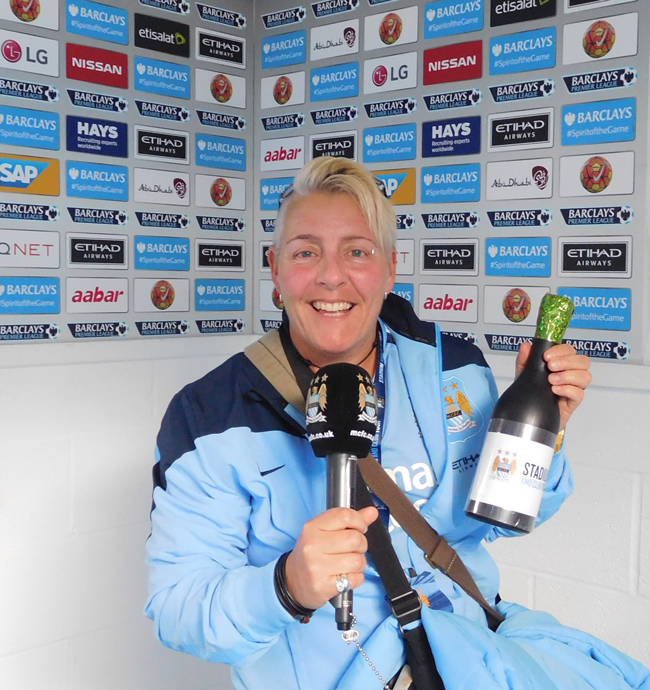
(282, 154)
(392, 182)
(96, 130)
(20, 175)
(97, 296)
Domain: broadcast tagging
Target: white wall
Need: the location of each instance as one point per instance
(78, 426)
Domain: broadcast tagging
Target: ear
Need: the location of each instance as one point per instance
(273, 263)
(392, 271)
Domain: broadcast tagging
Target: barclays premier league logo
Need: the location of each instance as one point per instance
(284, 17)
(523, 90)
(37, 212)
(398, 106)
(469, 98)
(599, 81)
(277, 122)
(222, 120)
(520, 218)
(28, 90)
(177, 6)
(332, 116)
(450, 220)
(405, 221)
(221, 16)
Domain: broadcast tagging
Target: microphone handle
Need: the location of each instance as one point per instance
(341, 484)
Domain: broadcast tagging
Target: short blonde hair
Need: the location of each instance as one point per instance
(343, 176)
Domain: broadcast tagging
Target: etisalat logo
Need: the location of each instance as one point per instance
(29, 90)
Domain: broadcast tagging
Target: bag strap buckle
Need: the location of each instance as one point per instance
(406, 607)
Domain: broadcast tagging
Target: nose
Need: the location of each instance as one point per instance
(331, 271)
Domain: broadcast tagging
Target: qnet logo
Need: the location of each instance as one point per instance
(457, 62)
(97, 66)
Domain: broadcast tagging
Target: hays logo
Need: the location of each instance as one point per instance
(97, 181)
(219, 295)
(599, 81)
(334, 40)
(220, 16)
(523, 52)
(400, 189)
(97, 251)
(44, 15)
(469, 98)
(97, 21)
(285, 90)
(222, 48)
(504, 12)
(293, 15)
(340, 81)
(162, 253)
(599, 122)
(455, 137)
(396, 143)
(601, 39)
(103, 295)
(101, 137)
(525, 129)
(598, 215)
(98, 101)
(220, 152)
(27, 53)
(337, 145)
(163, 78)
(161, 187)
(390, 73)
(162, 144)
(270, 192)
(449, 17)
(393, 29)
(35, 128)
(29, 295)
(450, 257)
(457, 62)
(282, 154)
(162, 35)
(451, 183)
(97, 66)
(602, 309)
(597, 175)
(522, 179)
(29, 249)
(284, 49)
(448, 303)
(523, 90)
(29, 175)
(518, 256)
(600, 256)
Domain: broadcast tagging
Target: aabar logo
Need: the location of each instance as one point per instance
(281, 154)
(457, 62)
(449, 303)
(97, 66)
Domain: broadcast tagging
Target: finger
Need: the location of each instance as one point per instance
(369, 514)
(577, 362)
(347, 563)
(580, 378)
(561, 350)
(336, 519)
(571, 395)
(344, 541)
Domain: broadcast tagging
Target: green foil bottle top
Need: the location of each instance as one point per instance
(555, 312)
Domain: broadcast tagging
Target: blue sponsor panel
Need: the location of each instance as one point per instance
(99, 21)
(25, 295)
(602, 309)
(220, 152)
(397, 143)
(450, 17)
(451, 183)
(219, 295)
(101, 137)
(404, 290)
(24, 127)
(163, 78)
(600, 122)
(97, 181)
(518, 256)
(460, 136)
(523, 52)
(162, 253)
(340, 81)
(270, 191)
(284, 49)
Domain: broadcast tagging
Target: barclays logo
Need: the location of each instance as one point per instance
(396, 143)
(599, 122)
(34, 128)
(523, 52)
(518, 256)
(97, 181)
(340, 81)
(97, 21)
(284, 49)
(450, 17)
(163, 78)
(606, 309)
(451, 183)
(270, 192)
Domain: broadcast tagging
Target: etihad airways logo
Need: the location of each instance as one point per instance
(457, 62)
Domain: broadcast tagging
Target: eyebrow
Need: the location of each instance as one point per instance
(317, 239)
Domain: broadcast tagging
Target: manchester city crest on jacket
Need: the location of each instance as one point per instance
(367, 402)
(463, 418)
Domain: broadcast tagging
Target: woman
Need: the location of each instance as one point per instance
(238, 486)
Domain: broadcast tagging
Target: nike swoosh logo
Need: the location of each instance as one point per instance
(275, 469)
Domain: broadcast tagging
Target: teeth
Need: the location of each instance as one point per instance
(329, 306)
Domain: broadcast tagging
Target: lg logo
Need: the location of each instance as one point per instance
(381, 75)
(12, 52)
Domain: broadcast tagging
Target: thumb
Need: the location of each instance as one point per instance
(369, 514)
(522, 357)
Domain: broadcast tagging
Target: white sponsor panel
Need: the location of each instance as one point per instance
(219, 88)
(97, 295)
(333, 40)
(521, 303)
(390, 73)
(147, 292)
(27, 53)
(161, 187)
(448, 303)
(286, 89)
(596, 175)
(405, 257)
(282, 154)
(601, 39)
(44, 14)
(266, 296)
(527, 179)
(220, 192)
(29, 249)
(389, 29)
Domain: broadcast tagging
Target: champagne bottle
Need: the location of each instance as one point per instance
(522, 434)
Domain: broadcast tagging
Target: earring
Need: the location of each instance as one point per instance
(385, 295)
(280, 296)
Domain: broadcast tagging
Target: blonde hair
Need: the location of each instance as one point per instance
(343, 176)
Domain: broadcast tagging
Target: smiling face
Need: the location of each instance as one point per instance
(332, 275)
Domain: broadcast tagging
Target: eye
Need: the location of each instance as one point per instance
(358, 253)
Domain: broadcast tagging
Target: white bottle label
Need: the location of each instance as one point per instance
(512, 473)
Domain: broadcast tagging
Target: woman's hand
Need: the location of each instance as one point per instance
(329, 545)
(569, 375)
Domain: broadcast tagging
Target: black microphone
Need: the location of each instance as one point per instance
(341, 425)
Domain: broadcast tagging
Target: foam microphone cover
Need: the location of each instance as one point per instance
(341, 411)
